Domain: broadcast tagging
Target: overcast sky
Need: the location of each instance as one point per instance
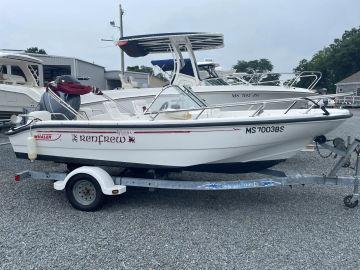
(284, 31)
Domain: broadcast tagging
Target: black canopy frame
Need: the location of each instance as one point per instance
(139, 46)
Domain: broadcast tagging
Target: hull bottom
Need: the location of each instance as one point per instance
(239, 167)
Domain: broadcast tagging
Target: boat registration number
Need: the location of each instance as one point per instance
(267, 129)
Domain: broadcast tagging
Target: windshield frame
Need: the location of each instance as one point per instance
(187, 92)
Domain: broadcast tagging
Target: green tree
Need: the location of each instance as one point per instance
(144, 69)
(35, 50)
(148, 70)
(258, 69)
(261, 65)
(336, 61)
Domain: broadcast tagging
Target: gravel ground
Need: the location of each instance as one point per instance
(282, 228)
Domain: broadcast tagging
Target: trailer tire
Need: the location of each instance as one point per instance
(84, 192)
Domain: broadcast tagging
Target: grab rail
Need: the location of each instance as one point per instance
(316, 74)
(256, 78)
(315, 100)
(349, 101)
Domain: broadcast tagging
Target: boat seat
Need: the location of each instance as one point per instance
(113, 111)
(178, 115)
(139, 105)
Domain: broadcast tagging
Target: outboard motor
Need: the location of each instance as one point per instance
(69, 90)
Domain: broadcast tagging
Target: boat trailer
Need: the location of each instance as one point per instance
(86, 186)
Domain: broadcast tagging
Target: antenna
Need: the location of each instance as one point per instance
(122, 12)
(121, 31)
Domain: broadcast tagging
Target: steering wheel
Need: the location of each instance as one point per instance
(164, 106)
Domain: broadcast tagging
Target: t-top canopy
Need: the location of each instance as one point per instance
(138, 46)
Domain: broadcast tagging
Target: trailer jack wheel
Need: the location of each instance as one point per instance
(84, 192)
(349, 203)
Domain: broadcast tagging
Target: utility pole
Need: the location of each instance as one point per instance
(121, 28)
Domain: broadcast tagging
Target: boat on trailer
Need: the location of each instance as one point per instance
(177, 131)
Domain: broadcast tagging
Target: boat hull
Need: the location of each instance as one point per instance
(17, 98)
(231, 168)
(197, 146)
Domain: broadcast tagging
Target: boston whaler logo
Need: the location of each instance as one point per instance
(51, 137)
(118, 137)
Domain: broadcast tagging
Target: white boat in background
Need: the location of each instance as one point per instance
(177, 131)
(20, 83)
(186, 72)
(23, 92)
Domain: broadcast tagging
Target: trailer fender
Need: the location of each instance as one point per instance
(105, 181)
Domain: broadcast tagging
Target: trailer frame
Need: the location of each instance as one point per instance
(100, 182)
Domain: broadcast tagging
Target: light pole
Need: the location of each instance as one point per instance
(121, 30)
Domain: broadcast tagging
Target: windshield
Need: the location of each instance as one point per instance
(214, 81)
(209, 76)
(207, 72)
(235, 80)
(18, 74)
(173, 98)
(3, 70)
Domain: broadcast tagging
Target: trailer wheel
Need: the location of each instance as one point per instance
(349, 203)
(84, 192)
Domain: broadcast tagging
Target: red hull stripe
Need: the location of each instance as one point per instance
(76, 131)
(182, 131)
(163, 132)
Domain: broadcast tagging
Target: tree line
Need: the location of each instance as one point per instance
(336, 61)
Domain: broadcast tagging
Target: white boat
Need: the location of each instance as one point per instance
(186, 72)
(178, 131)
(20, 80)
